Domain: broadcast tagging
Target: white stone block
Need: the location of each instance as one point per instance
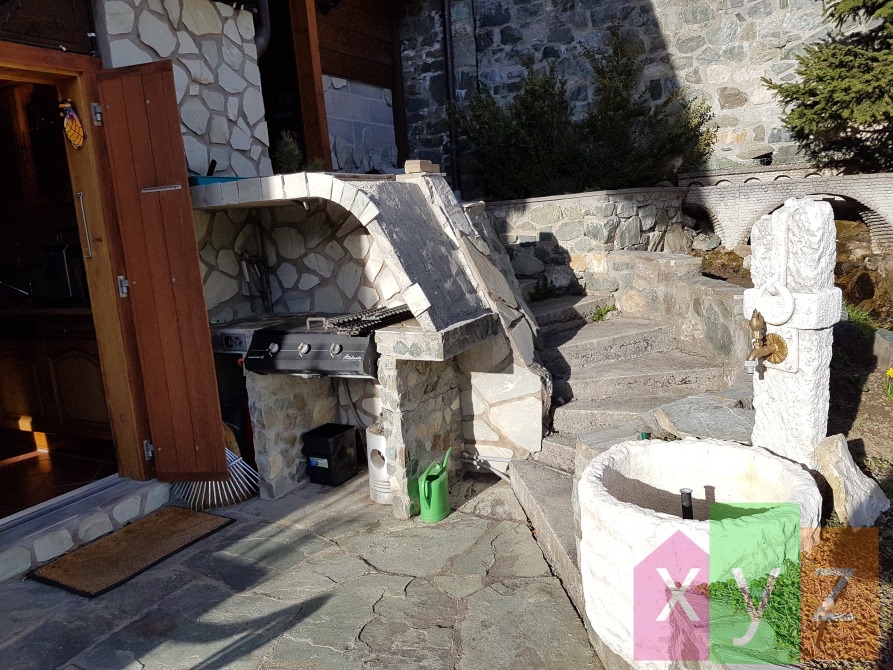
(201, 17)
(479, 430)
(219, 288)
(272, 188)
(319, 185)
(157, 34)
(157, 497)
(126, 510)
(367, 297)
(328, 300)
(124, 52)
(319, 263)
(295, 185)
(358, 244)
(307, 282)
(118, 17)
(14, 562)
(858, 500)
(520, 421)
(349, 279)
(94, 526)
(289, 242)
(287, 275)
(415, 299)
(368, 214)
(52, 544)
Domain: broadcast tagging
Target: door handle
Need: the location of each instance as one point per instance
(159, 189)
(89, 254)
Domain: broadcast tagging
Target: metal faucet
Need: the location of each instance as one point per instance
(771, 346)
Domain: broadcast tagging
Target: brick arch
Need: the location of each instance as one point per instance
(736, 207)
(881, 229)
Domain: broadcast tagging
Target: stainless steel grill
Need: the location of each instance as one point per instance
(321, 345)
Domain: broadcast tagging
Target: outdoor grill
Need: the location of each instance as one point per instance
(322, 345)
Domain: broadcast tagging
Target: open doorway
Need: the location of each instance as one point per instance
(55, 434)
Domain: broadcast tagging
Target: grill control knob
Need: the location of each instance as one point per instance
(303, 348)
(273, 348)
(335, 349)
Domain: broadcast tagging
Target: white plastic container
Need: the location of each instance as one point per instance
(379, 480)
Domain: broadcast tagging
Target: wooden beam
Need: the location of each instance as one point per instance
(45, 63)
(307, 59)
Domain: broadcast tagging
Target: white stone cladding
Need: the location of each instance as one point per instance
(794, 251)
(628, 497)
(216, 74)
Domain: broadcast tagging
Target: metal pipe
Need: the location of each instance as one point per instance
(688, 510)
(455, 174)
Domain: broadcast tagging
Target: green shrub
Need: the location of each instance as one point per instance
(527, 148)
(287, 156)
(533, 146)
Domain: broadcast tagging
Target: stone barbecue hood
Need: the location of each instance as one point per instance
(442, 262)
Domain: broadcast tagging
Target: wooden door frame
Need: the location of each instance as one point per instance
(74, 76)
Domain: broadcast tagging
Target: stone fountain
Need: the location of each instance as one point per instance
(629, 495)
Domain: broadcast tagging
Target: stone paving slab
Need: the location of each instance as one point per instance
(320, 579)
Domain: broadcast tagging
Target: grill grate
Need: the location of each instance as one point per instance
(363, 323)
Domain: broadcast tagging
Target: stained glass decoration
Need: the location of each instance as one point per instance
(71, 124)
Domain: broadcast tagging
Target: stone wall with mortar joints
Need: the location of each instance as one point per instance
(562, 237)
(319, 258)
(705, 313)
(360, 117)
(422, 420)
(216, 74)
(735, 208)
(717, 49)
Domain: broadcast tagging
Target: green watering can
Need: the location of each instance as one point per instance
(435, 491)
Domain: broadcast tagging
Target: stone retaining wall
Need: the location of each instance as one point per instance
(718, 49)
(216, 74)
(706, 314)
(562, 238)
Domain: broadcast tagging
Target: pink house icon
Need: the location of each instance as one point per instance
(670, 612)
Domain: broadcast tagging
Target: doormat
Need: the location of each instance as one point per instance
(117, 558)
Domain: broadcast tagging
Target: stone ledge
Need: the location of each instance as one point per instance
(411, 343)
(40, 539)
(675, 190)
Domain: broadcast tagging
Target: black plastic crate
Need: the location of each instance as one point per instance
(331, 452)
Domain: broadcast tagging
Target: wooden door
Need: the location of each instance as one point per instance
(141, 127)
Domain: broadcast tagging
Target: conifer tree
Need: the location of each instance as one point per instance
(840, 111)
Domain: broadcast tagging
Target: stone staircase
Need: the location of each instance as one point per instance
(609, 378)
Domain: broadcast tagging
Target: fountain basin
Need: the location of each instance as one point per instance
(630, 507)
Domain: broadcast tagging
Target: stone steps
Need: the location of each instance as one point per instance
(595, 343)
(583, 416)
(650, 374)
(569, 311)
(30, 541)
(545, 495)
(558, 452)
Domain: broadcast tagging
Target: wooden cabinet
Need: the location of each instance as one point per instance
(21, 402)
(52, 380)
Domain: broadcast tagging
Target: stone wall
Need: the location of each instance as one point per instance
(361, 126)
(319, 258)
(718, 49)
(562, 238)
(705, 313)
(215, 73)
(422, 419)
